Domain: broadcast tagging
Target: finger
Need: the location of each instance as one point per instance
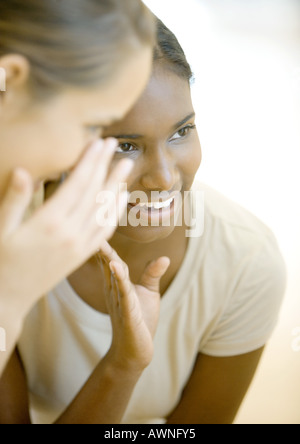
(94, 236)
(119, 175)
(74, 191)
(16, 201)
(111, 255)
(109, 205)
(105, 272)
(111, 290)
(115, 292)
(86, 207)
(121, 274)
(108, 217)
(124, 285)
(102, 194)
(108, 252)
(153, 274)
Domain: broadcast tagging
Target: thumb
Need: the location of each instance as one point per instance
(15, 202)
(153, 274)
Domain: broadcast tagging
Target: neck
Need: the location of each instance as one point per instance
(88, 280)
(138, 255)
(129, 249)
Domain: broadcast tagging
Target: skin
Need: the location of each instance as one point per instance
(57, 132)
(166, 157)
(34, 147)
(134, 313)
(162, 163)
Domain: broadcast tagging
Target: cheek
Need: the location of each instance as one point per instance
(133, 181)
(64, 149)
(190, 161)
(186, 161)
(197, 155)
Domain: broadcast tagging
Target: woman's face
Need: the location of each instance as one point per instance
(160, 136)
(49, 138)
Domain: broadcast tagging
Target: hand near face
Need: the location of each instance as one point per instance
(63, 233)
(134, 309)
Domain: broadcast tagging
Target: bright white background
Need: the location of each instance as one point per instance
(246, 59)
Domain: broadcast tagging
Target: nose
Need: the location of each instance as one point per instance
(160, 173)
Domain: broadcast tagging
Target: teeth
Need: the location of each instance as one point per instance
(157, 205)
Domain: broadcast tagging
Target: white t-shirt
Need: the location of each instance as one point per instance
(224, 301)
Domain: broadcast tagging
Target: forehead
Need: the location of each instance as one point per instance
(111, 101)
(165, 101)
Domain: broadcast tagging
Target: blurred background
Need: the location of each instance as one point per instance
(246, 59)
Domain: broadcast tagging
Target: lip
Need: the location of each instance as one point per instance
(153, 216)
(162, 206)
(166, 197)
(153, 205)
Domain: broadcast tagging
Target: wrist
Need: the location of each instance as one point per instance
(10, 318)
(11, 325)
(119, 365)
(13, 310)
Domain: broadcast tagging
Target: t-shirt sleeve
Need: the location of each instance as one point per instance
(252, 311)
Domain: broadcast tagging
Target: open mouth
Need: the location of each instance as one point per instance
(153, 206)
(158, 211)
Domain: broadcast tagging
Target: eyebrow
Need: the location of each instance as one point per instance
(128, 136)
(139, 136)
(183, 121)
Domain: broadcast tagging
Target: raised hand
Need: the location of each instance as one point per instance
(37, 254)
(134, 309)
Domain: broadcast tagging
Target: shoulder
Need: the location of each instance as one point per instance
(237, 243)
(229, 224)
(221, 209)
(243, 272)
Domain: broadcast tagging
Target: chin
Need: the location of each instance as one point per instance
(146, 235)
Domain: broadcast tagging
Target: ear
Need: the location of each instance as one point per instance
(15, 69)
(2, 79)
(14, 76)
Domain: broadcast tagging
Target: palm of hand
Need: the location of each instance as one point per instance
(134, 309)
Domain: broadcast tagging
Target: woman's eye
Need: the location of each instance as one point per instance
(183, 132)
(125, 148)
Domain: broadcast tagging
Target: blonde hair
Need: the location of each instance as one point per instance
(73, 42)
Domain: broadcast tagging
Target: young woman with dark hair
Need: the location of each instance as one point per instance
(220, 295)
